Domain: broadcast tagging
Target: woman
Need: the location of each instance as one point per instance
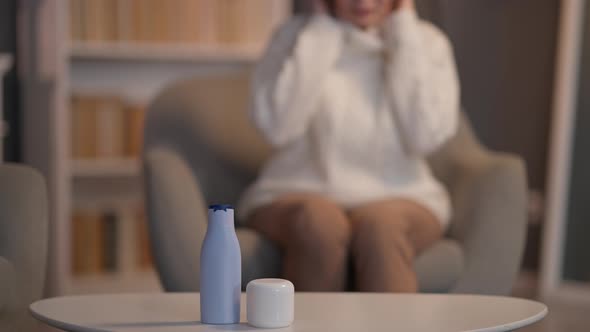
(353, 99)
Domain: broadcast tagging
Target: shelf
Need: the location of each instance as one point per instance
(93, 168)
(163, 52)
(141, 281)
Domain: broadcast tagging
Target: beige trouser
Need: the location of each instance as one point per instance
(317, 236)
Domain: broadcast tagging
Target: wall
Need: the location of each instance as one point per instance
(11, 91)
(505, 51)
(577, 248)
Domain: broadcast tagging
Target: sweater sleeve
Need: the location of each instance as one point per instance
(287, 81)
(422, 82)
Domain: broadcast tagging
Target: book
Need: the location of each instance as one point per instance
(126, 21)
(83, 127)
(105, 127)
(135, 124)
(77, 242)
(183, 18)
(76, 20)
(142, 27)
(220, 23)
(144, 259)
(95, 240)
(86, 243)
(136, 21)
(159, 21)
(110, 246)
(250, 24)
(175, 21)
(110, 17)
(110, 127)
(207, 11)
(99, 20)
(236, 21)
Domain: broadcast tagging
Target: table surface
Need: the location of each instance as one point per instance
(179, 312)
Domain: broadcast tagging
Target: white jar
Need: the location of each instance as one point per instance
(270, 303)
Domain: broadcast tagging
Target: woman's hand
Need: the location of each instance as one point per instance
(403, 4)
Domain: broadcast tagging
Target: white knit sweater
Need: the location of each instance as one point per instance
(352, 114)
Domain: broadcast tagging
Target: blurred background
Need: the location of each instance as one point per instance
(78, 75)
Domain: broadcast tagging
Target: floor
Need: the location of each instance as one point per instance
(572, 315)
(564, 317)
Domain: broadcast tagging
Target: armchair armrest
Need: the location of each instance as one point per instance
(11, 305)
(177, 218)
(7, 284)
(489, 198)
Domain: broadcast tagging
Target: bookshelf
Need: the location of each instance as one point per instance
(94, 67)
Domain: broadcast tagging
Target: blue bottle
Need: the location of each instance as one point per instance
(221, 269)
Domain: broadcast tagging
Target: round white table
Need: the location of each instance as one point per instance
(178, 312)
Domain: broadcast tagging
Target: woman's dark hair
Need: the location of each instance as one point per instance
(330, 4)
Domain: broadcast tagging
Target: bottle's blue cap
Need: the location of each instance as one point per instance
(217, 207)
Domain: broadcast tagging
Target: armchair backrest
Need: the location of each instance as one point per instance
(205, 121)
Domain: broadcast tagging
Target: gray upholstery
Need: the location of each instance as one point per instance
(200, 148)
(23, 244)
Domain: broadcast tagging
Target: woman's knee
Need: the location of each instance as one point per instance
(375, 224)
(376, 244)
(319, 224)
